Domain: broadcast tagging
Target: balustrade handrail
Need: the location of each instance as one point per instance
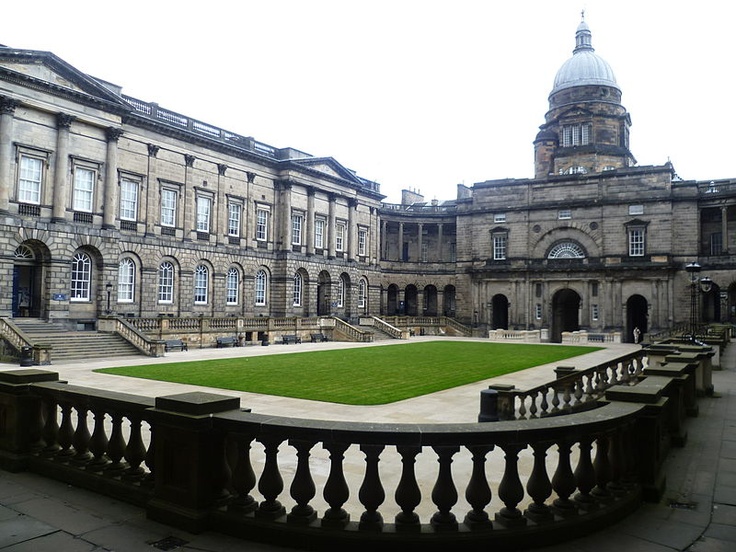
(387, 328)
(571, 392)
(351, 331)
(14, 335)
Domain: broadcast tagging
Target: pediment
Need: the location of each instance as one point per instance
(46, 68)
(330, 166)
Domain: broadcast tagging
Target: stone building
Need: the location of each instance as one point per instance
(110, 203)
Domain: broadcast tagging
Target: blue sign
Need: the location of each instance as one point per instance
(60, 296)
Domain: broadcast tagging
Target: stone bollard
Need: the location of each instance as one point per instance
(488, 406)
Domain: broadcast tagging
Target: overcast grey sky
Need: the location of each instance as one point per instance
(409, 93)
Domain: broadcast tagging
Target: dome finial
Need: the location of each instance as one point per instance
(582, 36)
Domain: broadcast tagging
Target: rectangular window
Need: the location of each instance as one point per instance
(262, 224)
(425, 252)
(594, 289)
(319, 233)
(636, 209)
(296, 229)
(232, 284)
(716, 243)
(499, 246)
(538, 311)
(234, 211)
(362, 243)
(29, 183)
(128, 199)
(594, 313)
(340, 236)
(499, 217)
(204, 207)
(636, 242)
(168, 207)
(564, 214)
(84, 187)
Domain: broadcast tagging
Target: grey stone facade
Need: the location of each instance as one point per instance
(101, 194)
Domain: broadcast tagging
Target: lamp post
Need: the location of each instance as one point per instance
(108, 287)
(703, 284)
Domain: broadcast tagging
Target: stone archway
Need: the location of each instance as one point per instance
(565, 313)
(637, 316)
(323, 294)
(411, 300)
(500, 312)
(430, 301)
(392, 300)
(28, 280)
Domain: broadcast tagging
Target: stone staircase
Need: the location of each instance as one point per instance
(69, 345)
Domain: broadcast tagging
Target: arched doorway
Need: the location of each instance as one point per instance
(711, 305)
(411, 296)
(500, 312)
(345, 294)
(565, 313)
(392, 300)
(448, 307)
(430, 301)
(637, 316)
(323, 293)
(28, 280)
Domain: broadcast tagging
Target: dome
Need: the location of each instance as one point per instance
(585, 67)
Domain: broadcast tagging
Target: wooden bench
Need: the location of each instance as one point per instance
(228, 341)
(173, 344)
(286, 339)
(318, 337)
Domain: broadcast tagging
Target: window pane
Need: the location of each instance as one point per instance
(81, 277)
(29, 185)
(166, 283)
(203, 214)
(128, 200)
(126, 281)
(233, 285)
(260, 287)
(233, 219)
(319, 233)
(201, 277)
(83, 189)
(296, 229)
(298, 290)
(262, 225)
(168, 207)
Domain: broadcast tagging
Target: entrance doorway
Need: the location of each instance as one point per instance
(27, 283)
(323, 294)
(637, 316)
(565, 313)
(500, 313)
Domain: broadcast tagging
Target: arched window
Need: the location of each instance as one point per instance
(126, 281)
(81, 277)
(261, 287)
(166, 282)
(341, 292)
(233, 286)
(362, 294)
(566, 250)
(201, 281)
(298, 285)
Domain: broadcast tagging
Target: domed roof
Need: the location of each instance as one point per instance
(585, 67)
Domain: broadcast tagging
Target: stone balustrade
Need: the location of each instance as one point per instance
(201, 462)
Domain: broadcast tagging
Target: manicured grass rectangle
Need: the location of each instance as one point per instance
(359, 376)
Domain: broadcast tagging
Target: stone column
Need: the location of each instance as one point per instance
(331, 224)
(383, 253)
(7, 109)
(152, 216)
(285, 213)
(401, 241)
(220, 207)
(61, 170)
(420, 229)
(309, 223)
(724, 229)
(110, 204)
(352, 229)
(440, 239)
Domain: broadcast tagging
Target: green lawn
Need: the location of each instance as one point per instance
(360, 376)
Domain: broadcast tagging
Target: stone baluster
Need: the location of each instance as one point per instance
(50, 428)
(98, 444)
(478, 493)
(585, 476)
(544, 405)
(302, 487)
(135, 452)
(533, 406)
(539, 486)
(150, 458)
(444, 493)
(371, 493)
(602, 467)
(336, 491)
(408, 495)
(578, 394)
(66, 433)
(271, 484)
(81, 438)
(589, 389)
(563, 482)
(617, 461)
(116, 446)
(555, 400)
(510, 489)
(566, 397)
(244, 478)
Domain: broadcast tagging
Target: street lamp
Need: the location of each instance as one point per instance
(108, 287)
(704, 284)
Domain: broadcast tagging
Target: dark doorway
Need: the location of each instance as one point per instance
(323, 294)
(411, 296)
(565, 313)
(448, 304)
(637, 316)
(500, 312)
(430, 301)
(711, 305)
(392, 300)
